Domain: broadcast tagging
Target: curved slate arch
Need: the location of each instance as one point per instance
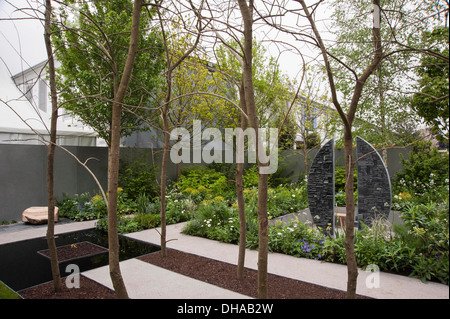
(374, 184)
(320, 187)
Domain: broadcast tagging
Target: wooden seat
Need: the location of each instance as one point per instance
(341, 217)
(37, 215)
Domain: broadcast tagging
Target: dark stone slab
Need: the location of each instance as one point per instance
(374, 184)
(320, 187)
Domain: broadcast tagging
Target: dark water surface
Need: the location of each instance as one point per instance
(21, 266)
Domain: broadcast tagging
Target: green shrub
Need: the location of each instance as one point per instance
(82, 207)
(339, 178)
(148, 221)
(284, 200)
(194, 177)
(296, 239)
(250, 177)
(124, 225)
(210, 215)
(425, 174)
(137, 178)
(145, 206)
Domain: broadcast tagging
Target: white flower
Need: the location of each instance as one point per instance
(293, 195)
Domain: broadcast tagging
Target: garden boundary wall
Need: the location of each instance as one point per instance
(23, 171)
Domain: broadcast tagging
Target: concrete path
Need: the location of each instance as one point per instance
(144, 280)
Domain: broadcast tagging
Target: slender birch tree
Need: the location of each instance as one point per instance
(51, 150)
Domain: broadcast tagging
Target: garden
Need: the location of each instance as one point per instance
(204, 197)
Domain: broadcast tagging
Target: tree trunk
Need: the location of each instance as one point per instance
(352, 268)
(247, 16)
(114, 152)
(51, 154)
(165, 160)
(263, 242)
(240, 193)
(347, 120)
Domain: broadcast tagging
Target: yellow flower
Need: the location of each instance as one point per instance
(96, 198)
(405, 195)
(189, 190)
(202, 188)
(119, 189)
(218, 199)
(206, 202)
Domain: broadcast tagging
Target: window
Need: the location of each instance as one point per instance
(43, 95)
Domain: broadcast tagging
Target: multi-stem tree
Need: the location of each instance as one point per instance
(97, 53)
(172, 62)
(347, 119)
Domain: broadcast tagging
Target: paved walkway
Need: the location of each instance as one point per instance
(144, 280)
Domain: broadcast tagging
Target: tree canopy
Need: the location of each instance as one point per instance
(432, 99)
(92, 40)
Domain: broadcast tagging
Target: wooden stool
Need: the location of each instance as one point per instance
(341, 218)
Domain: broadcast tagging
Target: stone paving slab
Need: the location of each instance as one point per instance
(138, 274)
(147, 281)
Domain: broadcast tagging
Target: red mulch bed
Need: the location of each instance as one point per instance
(77, 250)
(212, 271)
(89, 289)
(224, 275)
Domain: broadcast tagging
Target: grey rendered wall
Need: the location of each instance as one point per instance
(23, 171)
(23, 176)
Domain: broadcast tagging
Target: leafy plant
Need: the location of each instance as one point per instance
(424, 172)
(194, 177)
(339, 178)
(137, 178)
(124, 225)
(149, 220)
(145, 206)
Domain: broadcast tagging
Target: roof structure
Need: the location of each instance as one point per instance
(22, 121)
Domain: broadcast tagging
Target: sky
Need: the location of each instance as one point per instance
(21, 41)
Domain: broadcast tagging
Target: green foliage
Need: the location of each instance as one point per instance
(194, 177)
(431, 102)
(215, 220)
(125, 225)
(145, 206)
(340, 178)
(250, 177)
(417, 247)
(149, 220)
(286, 199)
(425, 174)
(271, 86)
(92, 53)
(86, 207)
(82, 207)
(137, 178)
(296, 239)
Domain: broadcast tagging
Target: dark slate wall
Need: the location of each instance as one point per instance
(320, 187)
(374, 185)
